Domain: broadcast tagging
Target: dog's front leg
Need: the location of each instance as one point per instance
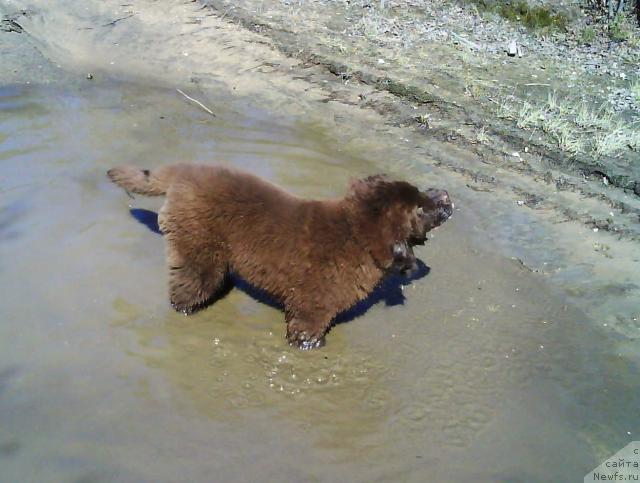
(307, 332)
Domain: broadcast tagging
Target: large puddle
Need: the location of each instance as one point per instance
(484, 373)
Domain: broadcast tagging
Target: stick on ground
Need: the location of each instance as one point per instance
(197, 102)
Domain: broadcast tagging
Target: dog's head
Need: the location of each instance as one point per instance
(400, 216)
(435, 207)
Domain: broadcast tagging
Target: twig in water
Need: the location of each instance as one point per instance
(113, 22)
(254, 67)
(197, 102)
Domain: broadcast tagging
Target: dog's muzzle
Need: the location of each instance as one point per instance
(404, 260)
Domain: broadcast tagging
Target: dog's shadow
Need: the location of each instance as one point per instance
(147, 217)
(389, 291)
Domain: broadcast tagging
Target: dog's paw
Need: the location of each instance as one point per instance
(184, 309)
(302, 338)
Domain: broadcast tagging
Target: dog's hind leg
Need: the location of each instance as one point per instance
(197, 280)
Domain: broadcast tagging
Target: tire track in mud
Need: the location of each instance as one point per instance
(551, 171)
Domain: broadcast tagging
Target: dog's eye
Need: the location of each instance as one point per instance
(420, 210)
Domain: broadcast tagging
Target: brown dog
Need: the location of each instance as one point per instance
(316, 257)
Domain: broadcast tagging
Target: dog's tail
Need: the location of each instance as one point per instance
(142, 181)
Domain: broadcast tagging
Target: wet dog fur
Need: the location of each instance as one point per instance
(317, 257)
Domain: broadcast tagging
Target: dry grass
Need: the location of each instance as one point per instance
(634, 138)
(606, 143)
(480, 136)
(552, 101)
(423, 120)
(587, 118)
(635, 89)
(569, 142)
(573, 126)
(564, 134)
(505, 109)
(529, 116)
(379, 28)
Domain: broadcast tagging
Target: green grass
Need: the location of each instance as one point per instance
(534, 17)
(587, 35)
(619, 28)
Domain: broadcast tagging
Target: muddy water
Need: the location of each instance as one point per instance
(485, 372)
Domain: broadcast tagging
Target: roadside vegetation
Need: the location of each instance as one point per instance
(534, 17)
(579, 125)
(575, 126)
(566, 74)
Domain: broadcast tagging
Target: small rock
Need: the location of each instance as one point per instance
(512, 49)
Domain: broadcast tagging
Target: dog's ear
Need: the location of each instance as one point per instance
(380, 196)
(360, 187)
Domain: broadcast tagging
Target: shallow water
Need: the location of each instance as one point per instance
(484, 373)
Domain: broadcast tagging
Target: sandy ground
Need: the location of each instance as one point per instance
(517, 240)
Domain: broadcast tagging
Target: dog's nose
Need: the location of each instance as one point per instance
(438, 196)
(442, 198)
(442, 201)
(444, 204)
